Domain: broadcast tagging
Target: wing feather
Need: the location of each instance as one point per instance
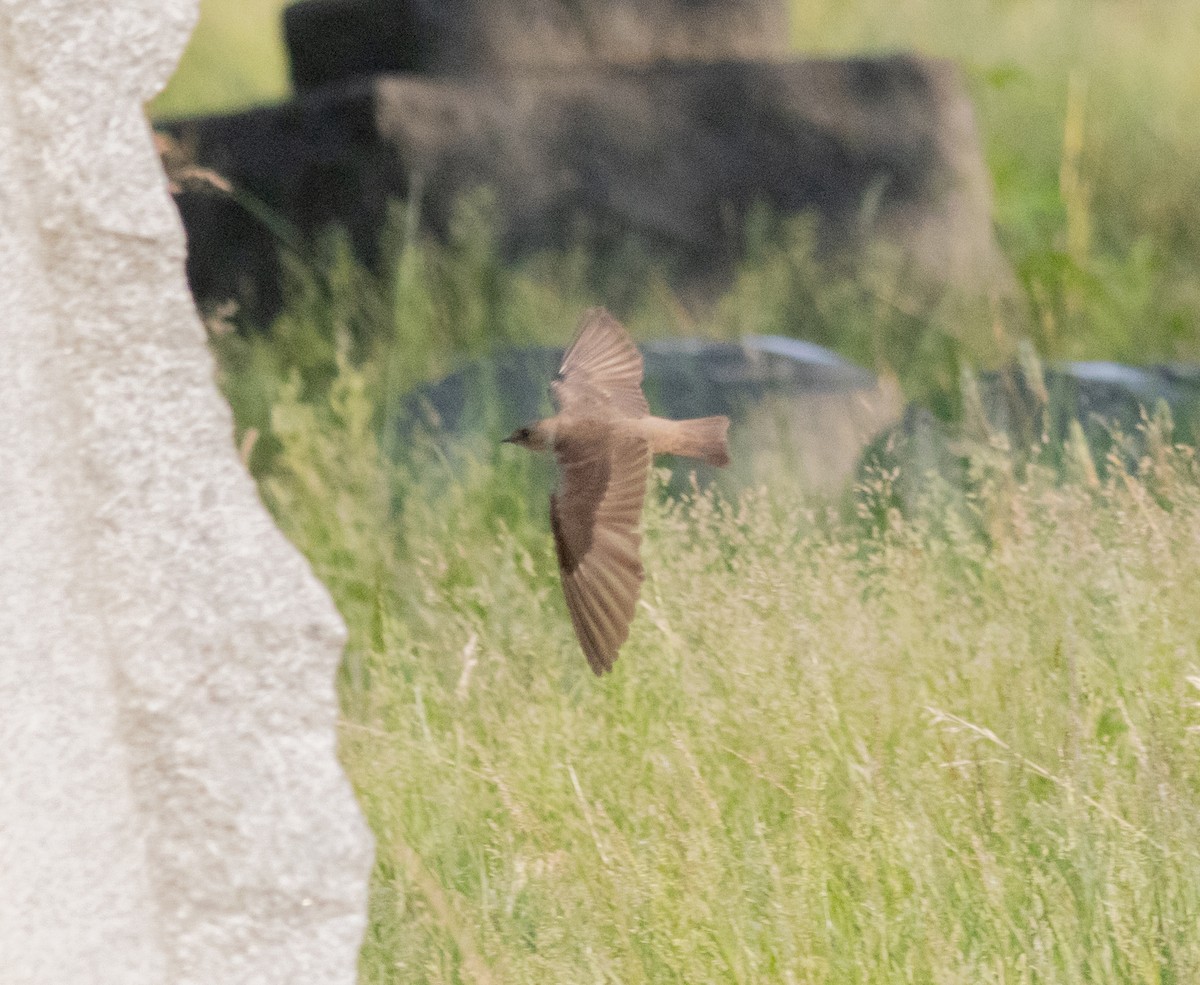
(602, 369)
(595, 515)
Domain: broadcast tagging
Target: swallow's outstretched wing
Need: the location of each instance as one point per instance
(595, 515)
(601, 371)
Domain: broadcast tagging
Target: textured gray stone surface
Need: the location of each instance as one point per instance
(171, 809)
(333, 41)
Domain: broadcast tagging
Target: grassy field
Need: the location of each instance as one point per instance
(876, 749)
(844, 744)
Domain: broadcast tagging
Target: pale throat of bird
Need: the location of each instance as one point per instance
(543, 433)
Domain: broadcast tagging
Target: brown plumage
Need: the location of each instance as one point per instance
(604, 438)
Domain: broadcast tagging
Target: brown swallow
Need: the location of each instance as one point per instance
(604, 438)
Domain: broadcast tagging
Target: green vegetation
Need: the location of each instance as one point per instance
(958, 742)
(235, 59)
(873, 751)
(1088, 114)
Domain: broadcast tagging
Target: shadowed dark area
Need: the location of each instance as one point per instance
(665, 161)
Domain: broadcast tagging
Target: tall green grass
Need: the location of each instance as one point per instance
(951, 742)
(950, 736)
(956, 745)
(1087, 111)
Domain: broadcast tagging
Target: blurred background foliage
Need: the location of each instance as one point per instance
(1088, 116)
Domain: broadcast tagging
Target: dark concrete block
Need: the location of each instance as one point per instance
(1107, 399)
(1020, 417)
(669, 159)
(331, 41)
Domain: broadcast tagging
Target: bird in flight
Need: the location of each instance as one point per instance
(604, 439)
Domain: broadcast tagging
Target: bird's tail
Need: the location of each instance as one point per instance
(705, 438)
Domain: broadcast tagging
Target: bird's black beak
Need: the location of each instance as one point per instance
(507, 441)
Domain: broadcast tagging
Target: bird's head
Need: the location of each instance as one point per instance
(532, 437)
